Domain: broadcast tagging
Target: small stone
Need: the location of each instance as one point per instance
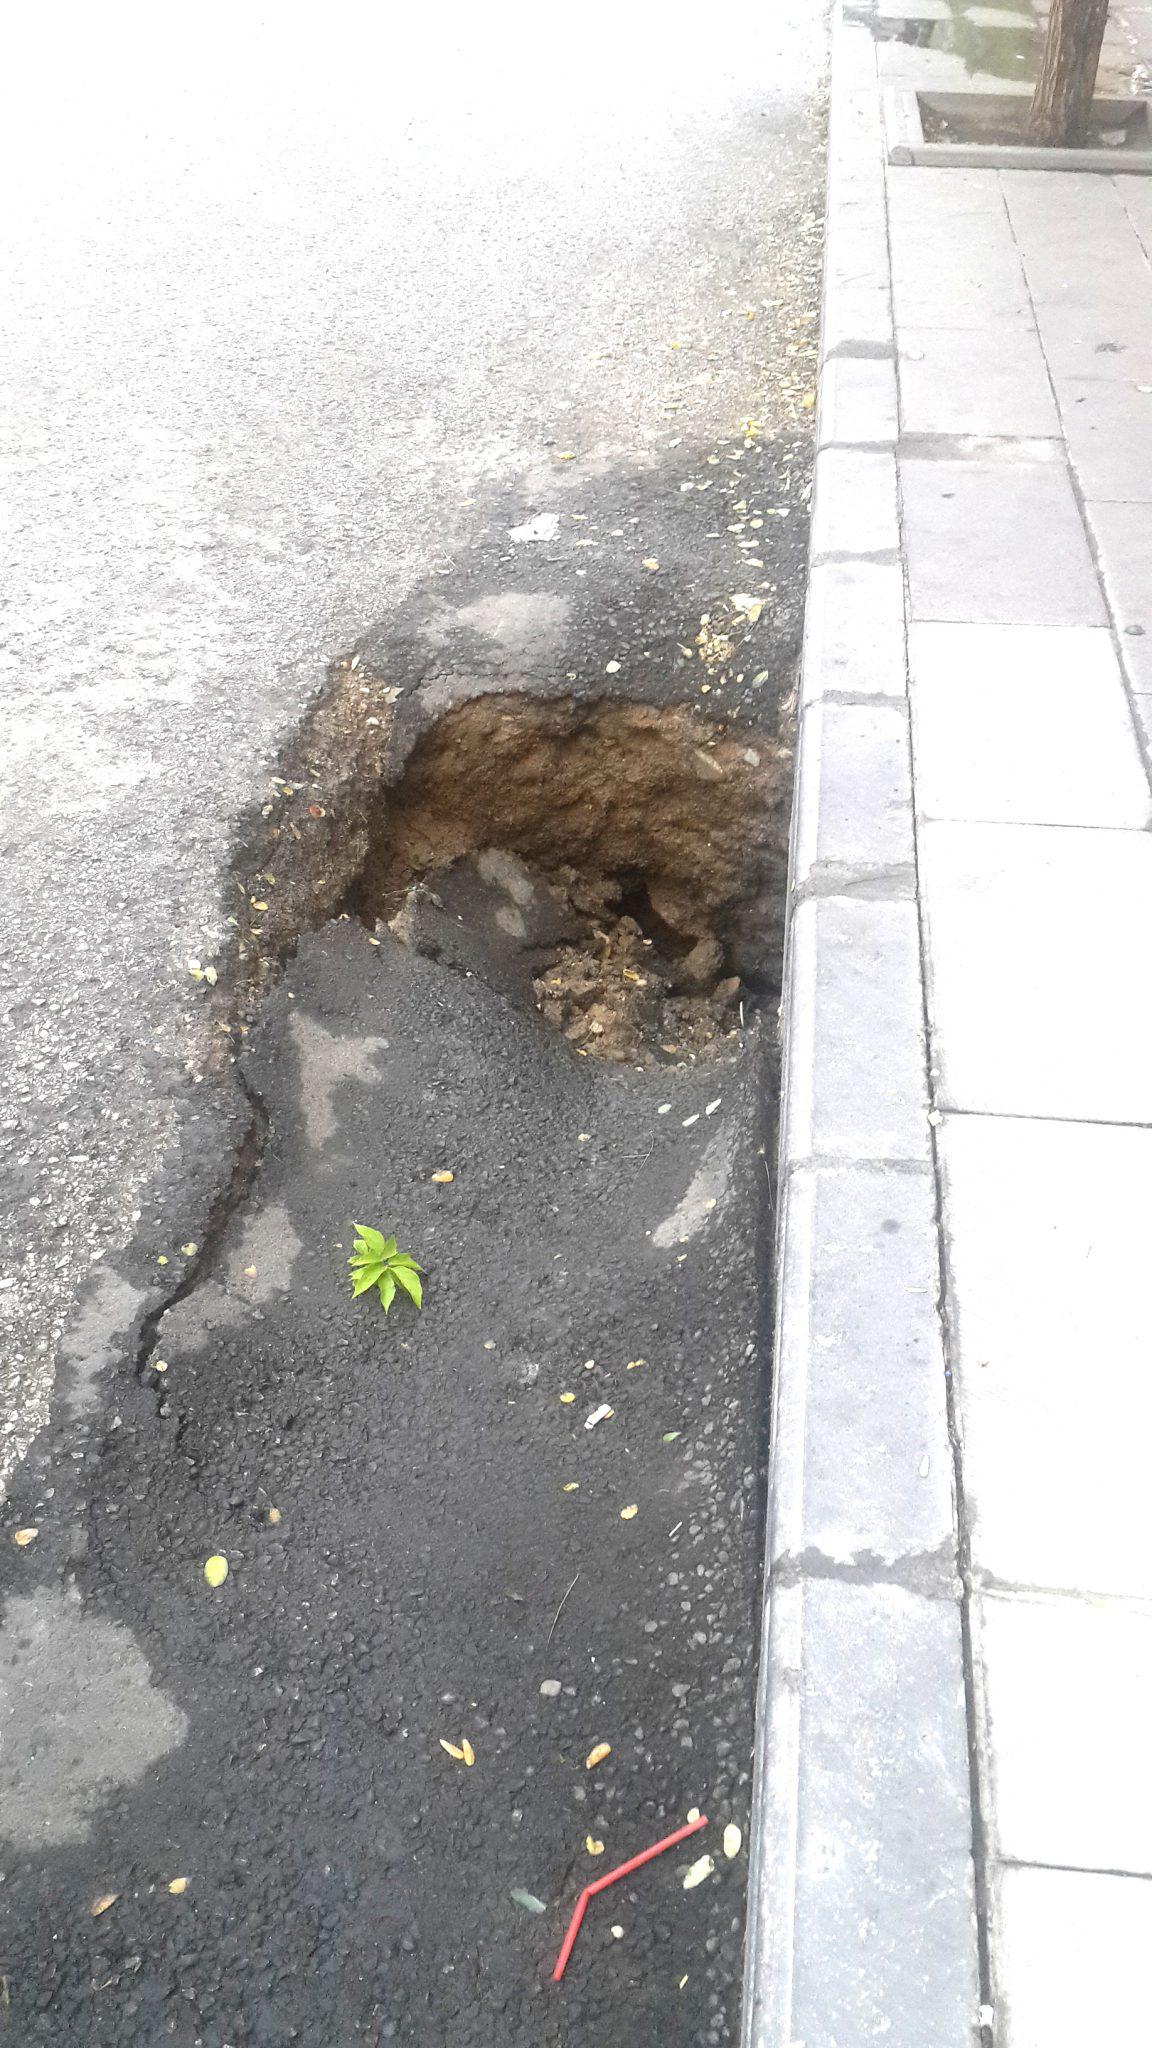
(549, 1688)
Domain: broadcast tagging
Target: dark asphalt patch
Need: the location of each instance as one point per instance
(347, 1880)
(277, 1742)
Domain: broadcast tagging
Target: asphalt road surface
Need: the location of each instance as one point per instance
(307, 323)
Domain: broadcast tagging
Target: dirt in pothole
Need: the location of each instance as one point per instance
(619, 866)
(619, 996)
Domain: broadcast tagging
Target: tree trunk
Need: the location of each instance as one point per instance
(1063, 97)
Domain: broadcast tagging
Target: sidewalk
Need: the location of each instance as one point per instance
(956, 1807)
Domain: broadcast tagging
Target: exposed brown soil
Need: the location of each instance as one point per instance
(618, 996)
(661, 833)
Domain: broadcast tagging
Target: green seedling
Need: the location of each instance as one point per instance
(375, 1262)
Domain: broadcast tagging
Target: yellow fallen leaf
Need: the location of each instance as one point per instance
(160, 1259)
(178, 1885)
(442, 1179)
(809, 399)
(593, 1847)
(273, 1516)
(249, 1272)
(102, 1904)
(452, 1750)
(732, 1839)
(634, 1362)
(468, 1752)
(24, 1537)
(702, 1868)
(567, 1397)
(256, 905)
(160, 1365)
(569, 455)
(650, 562)
(188, 1249)
(216, 1570)
(626, 1514)
(597, 1755)
(572, 1486)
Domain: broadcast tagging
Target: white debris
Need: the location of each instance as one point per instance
(545, 526)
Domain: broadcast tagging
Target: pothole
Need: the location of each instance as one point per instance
(618, 865)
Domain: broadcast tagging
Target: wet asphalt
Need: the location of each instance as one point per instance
(390, 1493)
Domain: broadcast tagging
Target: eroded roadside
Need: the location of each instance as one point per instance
(510, 911)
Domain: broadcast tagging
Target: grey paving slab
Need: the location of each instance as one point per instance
(854, 797)
(930, 69)
(990, 380)
(1046, 1235)
(858, 401)
(997, 541)
(1135, 196)
(1123, 537)
(854, 503)
(856, 186)
(925, 196)
(1116, 348)
(856, 315)
(975, 235)
(1037, 195)
(861, 1428)
(1103, 284)
(1109, 433)
(1079, 212)
(964, 279)
(854, 630)
(862, 1904)
(855, 55)
(1039, 971)
(856, 250)
(856, 1085)
(1071, 1959)
(1024, 725)
(1055, 1671)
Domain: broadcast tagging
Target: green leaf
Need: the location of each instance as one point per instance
(528, 1900)
(387, 1289)
(373, 1239)
(409, 1280)
(361, 1282)
(670, 1436)
(390, 1249)
(405, 1259)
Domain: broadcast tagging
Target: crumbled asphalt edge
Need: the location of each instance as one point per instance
(219, 1117)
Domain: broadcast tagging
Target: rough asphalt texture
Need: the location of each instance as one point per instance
(284, 310)
(331, 362)
(347, 1879)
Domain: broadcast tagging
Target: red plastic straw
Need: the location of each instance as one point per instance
(692, 1827)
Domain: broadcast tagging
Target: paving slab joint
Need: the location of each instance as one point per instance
(863, 1654)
